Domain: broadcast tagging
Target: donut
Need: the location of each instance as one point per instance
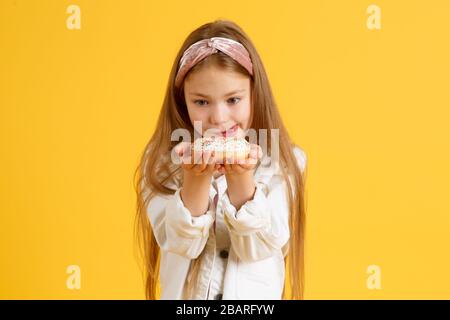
(233, 147)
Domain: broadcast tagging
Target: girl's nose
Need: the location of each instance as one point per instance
(219, 114)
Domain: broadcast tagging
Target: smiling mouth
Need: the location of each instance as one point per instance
(231, 131)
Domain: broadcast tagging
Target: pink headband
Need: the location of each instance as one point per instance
(206, 47)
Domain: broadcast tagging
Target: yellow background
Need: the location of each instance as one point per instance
(370, 108)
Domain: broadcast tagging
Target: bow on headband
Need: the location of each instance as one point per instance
(206, 47)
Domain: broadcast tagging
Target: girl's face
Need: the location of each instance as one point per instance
(220, 100)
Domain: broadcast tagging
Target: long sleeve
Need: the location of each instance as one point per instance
(260, 228)
(175, 229)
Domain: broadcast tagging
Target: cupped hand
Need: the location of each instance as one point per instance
(234, 166)
(196, 163)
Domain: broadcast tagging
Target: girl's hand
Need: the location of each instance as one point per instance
(196, 163)
(232, 167)
(197, 172)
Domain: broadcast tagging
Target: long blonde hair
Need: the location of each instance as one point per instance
(154, 174)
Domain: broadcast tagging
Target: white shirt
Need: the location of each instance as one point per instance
(223, 244)
(255, 238)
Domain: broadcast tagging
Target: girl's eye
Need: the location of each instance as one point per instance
(199, 101)
(235, 101)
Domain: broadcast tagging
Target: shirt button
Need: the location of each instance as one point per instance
(218, 296)
(224, 254)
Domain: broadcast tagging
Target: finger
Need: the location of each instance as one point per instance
(205, 157)
(250, 161)
(177, 153)
(211, 167)
(253, 153)
(260, 152)
(197, 157)
(247, 165)
(220, 158)
(227, 167)
(256, 148)
(187, 164)
(210, 159)
(210, 163)
(175, 157)
(184, 152)
(228, 157)
(240, 160)
(252, 156)
(198, 167)
(234, 158)
(180, 148)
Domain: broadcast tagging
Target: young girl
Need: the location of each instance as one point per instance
(214, 230)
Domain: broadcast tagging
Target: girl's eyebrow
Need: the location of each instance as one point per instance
(228, 94)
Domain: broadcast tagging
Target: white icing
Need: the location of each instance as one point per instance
(221, 144)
